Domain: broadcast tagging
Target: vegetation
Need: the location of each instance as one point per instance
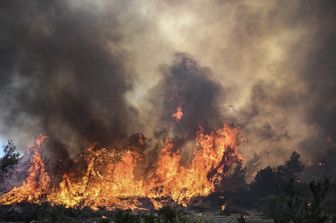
(27, 212)
(291, 207)
(10, 157)
(268, 182)
(292, 200)
(45, 213)
(166, 214)
(278, 192)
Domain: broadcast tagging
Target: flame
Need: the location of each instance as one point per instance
(110, 177)
(37, 182)
(223, 207)
(178, 114)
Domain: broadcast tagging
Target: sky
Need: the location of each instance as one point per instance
(2, 144)
(91, 71)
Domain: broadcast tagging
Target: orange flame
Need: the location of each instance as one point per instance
(110, 178)
(37, 182)
(178, 114)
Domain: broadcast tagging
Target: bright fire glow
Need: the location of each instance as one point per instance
(37, 182)
(110, 178)
(178, 114)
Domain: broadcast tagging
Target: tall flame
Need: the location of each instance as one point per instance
(37, 182)
(110, 177)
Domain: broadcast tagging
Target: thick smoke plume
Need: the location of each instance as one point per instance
(187, 86)
(63, 75)
(98, 71)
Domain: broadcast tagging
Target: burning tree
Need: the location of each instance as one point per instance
(36, 183)
(108, 177)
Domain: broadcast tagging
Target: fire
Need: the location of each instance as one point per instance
(37, 182)
(178, 114)
(111, 177)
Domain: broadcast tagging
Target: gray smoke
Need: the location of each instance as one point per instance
(191, 87)
(63, 74)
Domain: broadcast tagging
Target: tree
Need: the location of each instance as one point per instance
(291, 207)
(235, 181)
(287, 207)
(292, 168)
(313, 209)
(10, 158)
(265, 183)
(272, 182)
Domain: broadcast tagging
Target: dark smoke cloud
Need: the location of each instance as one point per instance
(319, 73)
(61, 67)
(319, 76)
(187, 85)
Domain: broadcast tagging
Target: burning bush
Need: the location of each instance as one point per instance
(108, 177)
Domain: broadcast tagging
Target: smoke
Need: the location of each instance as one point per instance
(98, 71)
(187, 86)
(293, 107)
(64, 75)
